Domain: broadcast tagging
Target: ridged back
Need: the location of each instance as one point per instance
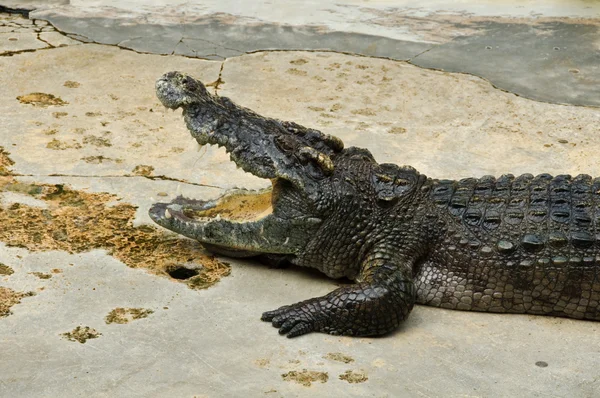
(534, 213)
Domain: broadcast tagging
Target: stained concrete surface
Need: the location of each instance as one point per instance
(211, 342)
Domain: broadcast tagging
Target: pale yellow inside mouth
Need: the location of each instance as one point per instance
(239, 206)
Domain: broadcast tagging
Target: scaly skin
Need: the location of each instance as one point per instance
(518, 245)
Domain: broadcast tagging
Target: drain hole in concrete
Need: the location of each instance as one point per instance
(182, 273)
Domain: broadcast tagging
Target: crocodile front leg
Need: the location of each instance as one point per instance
(383, 297)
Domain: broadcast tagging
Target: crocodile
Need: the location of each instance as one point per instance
(526, 244)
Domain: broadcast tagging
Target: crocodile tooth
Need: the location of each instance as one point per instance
(168, 213)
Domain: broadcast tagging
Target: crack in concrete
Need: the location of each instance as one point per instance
(76, 37)
(154, 178)
(219, 81)
(176, 45)
(37, 29)
(128, 39)
(217, 45)
(44, 41)
(166, 178)
(21, 11)
(17, 52)
(419, 54)
(271, 50)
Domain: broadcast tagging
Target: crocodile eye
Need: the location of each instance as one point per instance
(383, 178)
(384, 189)
(402, 185)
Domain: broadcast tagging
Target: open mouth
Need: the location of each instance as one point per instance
(238, 206)
(240, 223)
(218, 224)
(235, 206)
(206, 117)
(244, 221)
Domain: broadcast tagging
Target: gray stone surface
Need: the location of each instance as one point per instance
(214, 35)
(211, 343)
(509, 43)
(552, 62)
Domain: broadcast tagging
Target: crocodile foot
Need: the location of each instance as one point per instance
(364, 309)
(301, 318)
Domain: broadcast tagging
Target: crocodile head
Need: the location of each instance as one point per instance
(311, 173)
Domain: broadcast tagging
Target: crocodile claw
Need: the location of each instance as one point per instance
(293, 320)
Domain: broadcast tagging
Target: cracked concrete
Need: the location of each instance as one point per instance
(512, 45)
(19, 34)
(111, 127)
(99, 132)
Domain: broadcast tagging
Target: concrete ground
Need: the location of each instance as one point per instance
(95, 300)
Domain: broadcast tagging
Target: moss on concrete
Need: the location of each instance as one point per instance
(82, 334)
(8, 298)
(306, 377)
(125, 315)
